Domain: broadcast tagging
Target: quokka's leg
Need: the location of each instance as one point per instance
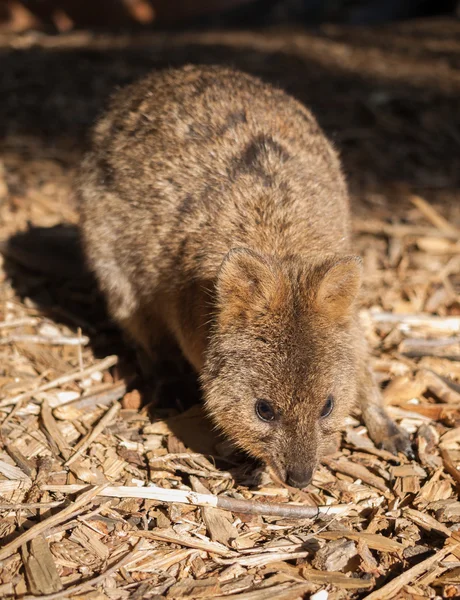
(155, 347)
(381, 428)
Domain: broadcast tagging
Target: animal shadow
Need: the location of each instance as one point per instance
(46, 265)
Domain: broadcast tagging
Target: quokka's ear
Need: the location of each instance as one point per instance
(339, 286)
(248, 282)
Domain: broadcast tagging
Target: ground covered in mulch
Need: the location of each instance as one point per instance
(79, 453)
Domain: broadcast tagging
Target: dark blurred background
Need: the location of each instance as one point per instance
(64, 15)
(382, 77)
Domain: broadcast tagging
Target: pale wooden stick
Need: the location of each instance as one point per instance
(103, 397)
(12, 472)
(451, 324)
(260, 560)
(433, 216)
(175, 456)
(11, 486)
(427, 522)
(104, 364)
(379, 228)
(85, 443)
(187, 541)
(29, 505)
(293, 511)
(54, 340)
(21, 322)
(207, 469)
(52, 521)
(390, 589)
(445, 347)
(439, 386)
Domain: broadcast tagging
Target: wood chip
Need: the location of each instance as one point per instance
(41, 572)
(335, 555)
(395, 585)
(220, 528)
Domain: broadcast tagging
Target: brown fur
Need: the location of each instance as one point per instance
(214, 212)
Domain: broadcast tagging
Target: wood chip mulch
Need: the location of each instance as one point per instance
(103, 497)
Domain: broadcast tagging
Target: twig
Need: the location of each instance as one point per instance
(104, 364)
(374, 541)
(442, 387)
(395, 585)
(427, 522)
(187, 541)
(292, 511)
(51, 521)
(80, 351)
(12, 472)
(260, 560)
(54, 340)
(408, 320)
(103, 397)
(205, 471)
(29, 505)
(444, 347)
(20, 322)
(433, 216)
(11, 486)
(379, 228)
(175, 456)
(357, 471)
(92, 435)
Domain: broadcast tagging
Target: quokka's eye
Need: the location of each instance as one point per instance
(264, 411)
(328, 407)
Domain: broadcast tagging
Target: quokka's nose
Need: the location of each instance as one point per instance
(300, 477)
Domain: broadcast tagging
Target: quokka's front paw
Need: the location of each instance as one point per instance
(384, 432)
(398, 442)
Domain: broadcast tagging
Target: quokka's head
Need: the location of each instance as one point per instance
(280, 371)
